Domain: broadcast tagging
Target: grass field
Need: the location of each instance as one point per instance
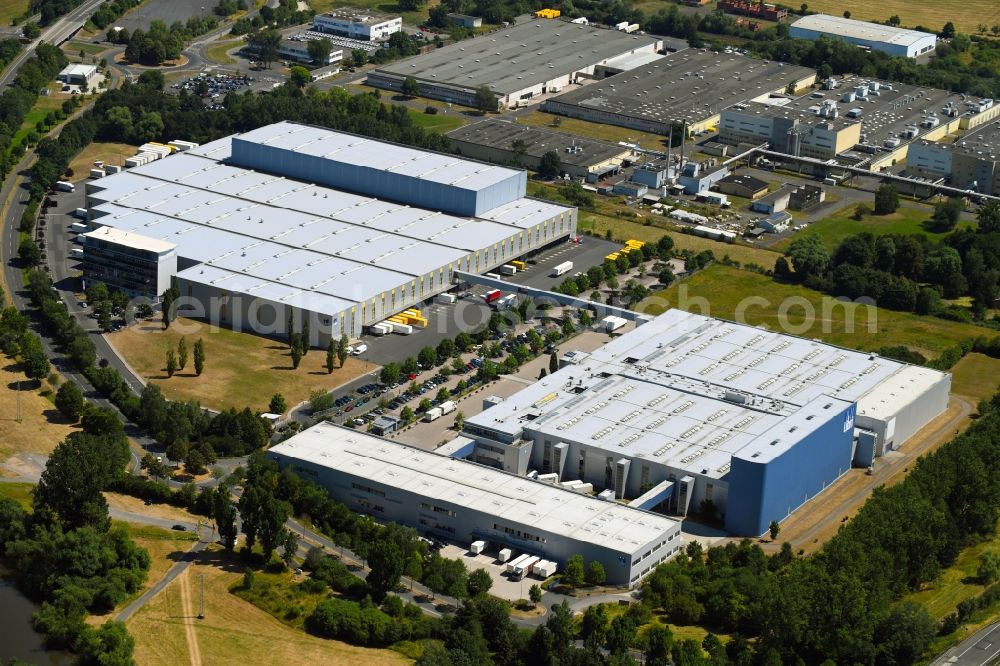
(19, 492)
(241, 370)
(976, 376)
(110, 153)
(43, 105)
(217, 52)
(11, 9)
(966, 15)
(909, 219)
(438, 122)
(74, 48)
(722, 290)
(233, 631)
(41, 427)
(610, 133)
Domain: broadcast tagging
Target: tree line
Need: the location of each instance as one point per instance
(160, 43)
(911, 272)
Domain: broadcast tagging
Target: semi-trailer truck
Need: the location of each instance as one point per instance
(512, 564)
(492, 295)
(432, 414)
(505, 303)
(523, 568)
(562, 269)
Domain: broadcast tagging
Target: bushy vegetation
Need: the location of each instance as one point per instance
(161, 43)
(907, 272)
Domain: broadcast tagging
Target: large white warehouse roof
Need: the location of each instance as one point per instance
(854, 29)
(518, 499)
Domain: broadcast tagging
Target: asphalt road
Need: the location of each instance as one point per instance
(980, 649)
(56, 33)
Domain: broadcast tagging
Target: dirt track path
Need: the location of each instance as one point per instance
(194, 652)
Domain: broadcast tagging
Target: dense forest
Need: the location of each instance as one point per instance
(907, 272)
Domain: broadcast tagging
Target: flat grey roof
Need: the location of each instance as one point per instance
(845, 27)
(291, 241)
(494, 492)
(884, 115)
(663, 391)
(983, 143)
(572, 149)
(690, 85)
(751, 182)
(530, 52)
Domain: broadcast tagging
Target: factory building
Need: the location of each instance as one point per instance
(712, 413)
(506, 142)
(970, 163)
(873, 36)
(518, 63)
(863, 122)
(347, 231)
(358, 24)
(692, 86)
(464, 502)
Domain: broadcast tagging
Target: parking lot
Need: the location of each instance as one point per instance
(503, 586)
(213, 87)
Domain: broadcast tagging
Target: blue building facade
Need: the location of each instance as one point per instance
(771, 490)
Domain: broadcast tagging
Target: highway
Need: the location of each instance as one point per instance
(57, 33)
(980, 649)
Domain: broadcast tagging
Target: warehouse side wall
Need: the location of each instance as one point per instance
(462, 524)
(381, 183)
(762, 492)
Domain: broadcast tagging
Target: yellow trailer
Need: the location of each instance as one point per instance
(519, 265)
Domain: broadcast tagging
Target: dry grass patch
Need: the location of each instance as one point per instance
(611, 133)
(41, 427)
(241, 369)
(161, 511)
(976, 376)
(11, 9)
(109, 153)
(966, 15)
(233, 631)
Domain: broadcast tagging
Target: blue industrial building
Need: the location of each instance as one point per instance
(874, 36)
(698, 415)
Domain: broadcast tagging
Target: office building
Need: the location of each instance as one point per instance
(872, 36)
(518, 63)
(464, 502)
(137, 264)
(78, 74)
(342, 229)
(692, 86)
(710, 416)
(506, 142)
(358, 24)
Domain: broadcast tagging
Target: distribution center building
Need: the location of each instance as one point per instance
(875, 36)
(342, 229)
(358, 24)
(970, 163)
(508, 142)
(688, 409)
(465, 502)
(691, 86)
(517, 63)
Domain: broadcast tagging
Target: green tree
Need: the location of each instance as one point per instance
(407, 415)
(427, 357)
(31, 30)
(989, 568)
(29, 253)
(902, 637)
(485, 100)
(410, 87)
(390, 373)
(550, 166)
(535, 594)
(69, 401)
(69, 490)
(319, 51)
(33, 358)
(154, 467)
(387, 557)
(331, 356)
(194, 462)
(199, 357)
(299, 77)
(289, 547)
(574, 573)
(479, 582)
(277, 404)
(621, 635)
(774, 528)
(809, 256)
(171, 362)
(295, 350)
(988, 217)
(886, 200)
(553, 362)
(182, 353)
(659, 641)
(595, 573)
(947, 32)
(594, 627)
(342, 350)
